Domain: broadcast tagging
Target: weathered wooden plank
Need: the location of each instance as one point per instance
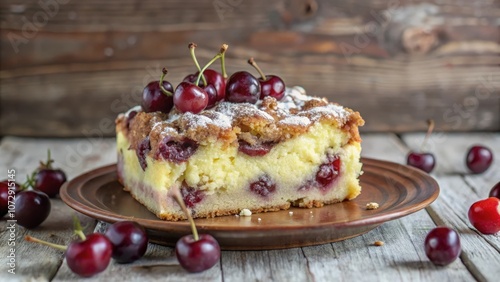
(33, 261)
(459, 190)
(394, 62)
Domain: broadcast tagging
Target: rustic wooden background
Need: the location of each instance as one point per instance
(68, 67)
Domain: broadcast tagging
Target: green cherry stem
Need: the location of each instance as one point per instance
(252, 62)
(193, 46)
(165, 91)
(223, 49)
(430, 128)
(48, 164)
(78, 228)
(176, 194)
(36, 240)
(218, 56)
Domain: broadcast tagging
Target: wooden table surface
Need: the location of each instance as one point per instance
(401, 258)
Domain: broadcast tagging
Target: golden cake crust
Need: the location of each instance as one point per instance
(267, 121)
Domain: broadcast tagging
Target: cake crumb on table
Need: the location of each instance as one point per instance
(245, 212)
(378, 243)
(372, 206)
(290, 213)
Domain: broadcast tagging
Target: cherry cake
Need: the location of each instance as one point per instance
(299, 151)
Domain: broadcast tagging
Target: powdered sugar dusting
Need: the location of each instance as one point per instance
(233, 111)
(215, 119)
(296, 120)
(331, 110)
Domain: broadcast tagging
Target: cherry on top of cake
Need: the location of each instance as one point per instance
(206, 107)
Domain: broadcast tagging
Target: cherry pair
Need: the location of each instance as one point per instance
(479, 158)
(206, 87)
(124, 241)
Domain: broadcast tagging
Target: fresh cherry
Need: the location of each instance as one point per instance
(189, 97)
(157, 95)
(32, 208)
(210, 77)
(271, 85)
(485, 215)
(195, 253)
(87, 257)
(6, 193)
(242, 87)
(479, 159)
(442, 245)
(129, 240)
(48, 179)
(495, 191)
(90, 256)
(328, 172)
(423, 160)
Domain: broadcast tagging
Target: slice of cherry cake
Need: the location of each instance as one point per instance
(300, 151)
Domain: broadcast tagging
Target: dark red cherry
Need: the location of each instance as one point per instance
(272, 86)
(263, 187)
(194, 253)
(191, 196)
(479, 159)
(129, 240)
(7, 195)
(190, 98)
(177, 151)
(213, 78)
(91, 256)
(154, 100)
(423, 161)
(495, 191)
(442, 245)
(242, 87)
(142, 151)
(49, 181)
(255, 150)
(32, 208)
(197, 255)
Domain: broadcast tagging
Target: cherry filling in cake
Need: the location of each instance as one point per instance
(299, 151)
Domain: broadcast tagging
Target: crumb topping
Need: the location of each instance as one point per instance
(267, 121)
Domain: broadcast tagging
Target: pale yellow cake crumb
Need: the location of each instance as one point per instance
(372, 206)
(245, 212)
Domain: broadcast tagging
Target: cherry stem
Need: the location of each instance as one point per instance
(36, 240)
(78, 228)
(223, 49)
(218, 56)
(48, 164)
(165, 91)
(252, 62)
(192, 46)
(430, 128)
(178, 198)
(30, 181)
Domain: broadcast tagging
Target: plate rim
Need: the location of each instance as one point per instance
(111, 217)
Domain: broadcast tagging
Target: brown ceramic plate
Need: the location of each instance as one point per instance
(399, 190)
